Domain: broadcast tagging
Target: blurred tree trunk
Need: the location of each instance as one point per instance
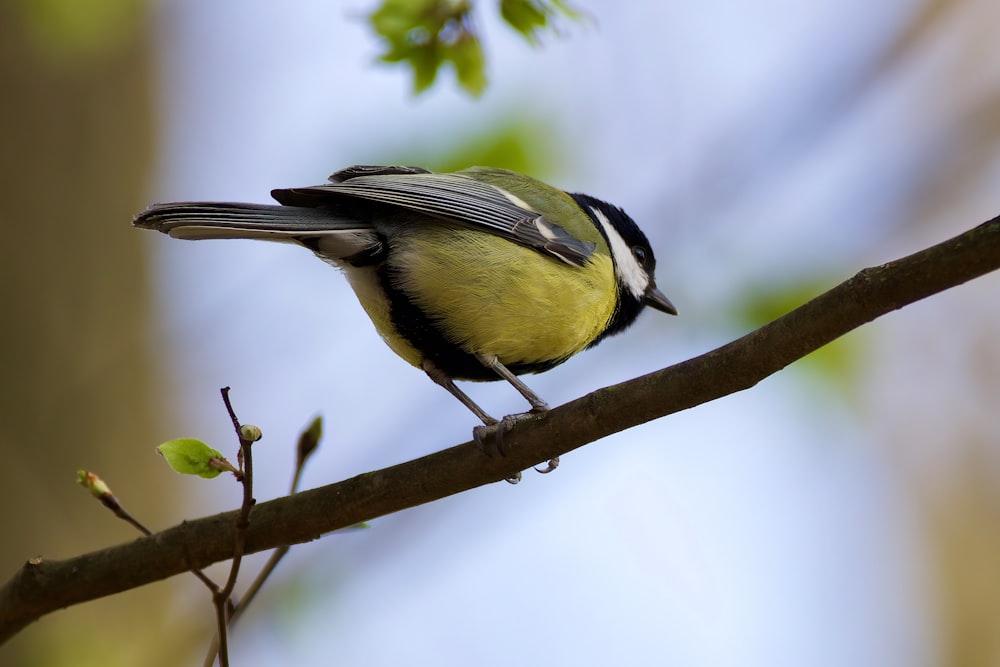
(953, 469)
(76, 127)
(965, 524)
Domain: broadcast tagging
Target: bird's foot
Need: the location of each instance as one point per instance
(490, 438)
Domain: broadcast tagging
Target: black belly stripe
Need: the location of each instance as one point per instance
(424, 333)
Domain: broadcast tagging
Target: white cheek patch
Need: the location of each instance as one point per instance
(630, 274)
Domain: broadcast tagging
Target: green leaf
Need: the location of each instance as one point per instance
(470, 64)
(395, 17)
(189, 456)
(426, 34)
(531, 17)
(425, 62)
(364, 525)
(525, 16)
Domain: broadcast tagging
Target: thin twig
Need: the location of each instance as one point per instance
(222, 597)
(308, 442)
(103, 492)
(243, 515)
(305, 449)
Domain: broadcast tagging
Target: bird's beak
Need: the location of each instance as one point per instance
(654, 298)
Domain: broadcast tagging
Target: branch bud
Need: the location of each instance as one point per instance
(250, 433)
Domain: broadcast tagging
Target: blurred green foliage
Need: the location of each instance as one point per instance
(835, 365)
(427, 34)
(65, 30)
(515, 142)
(531, 17)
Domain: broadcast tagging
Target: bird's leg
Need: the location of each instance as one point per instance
(442, 379)
(491, 362)
(538, 406)
(491, 426)
(480, 434)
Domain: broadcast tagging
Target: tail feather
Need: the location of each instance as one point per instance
(220, 220)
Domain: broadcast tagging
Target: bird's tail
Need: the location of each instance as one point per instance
(220, 220)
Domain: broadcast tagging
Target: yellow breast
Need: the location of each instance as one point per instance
(497, 298)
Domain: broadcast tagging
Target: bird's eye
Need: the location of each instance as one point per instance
(640, 253)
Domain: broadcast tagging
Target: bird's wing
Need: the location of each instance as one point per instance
(454, 198)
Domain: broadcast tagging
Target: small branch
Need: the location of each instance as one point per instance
(242, 522)
(40, 587)
(102, 492)
(308, 442)
(221, 598)
(232, 413)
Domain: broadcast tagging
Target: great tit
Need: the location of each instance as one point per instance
(481, 274)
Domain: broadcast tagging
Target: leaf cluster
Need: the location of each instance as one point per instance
(428, 34)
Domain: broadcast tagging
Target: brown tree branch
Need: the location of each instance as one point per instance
(42, 586)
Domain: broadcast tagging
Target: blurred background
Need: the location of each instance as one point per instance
(845, 511)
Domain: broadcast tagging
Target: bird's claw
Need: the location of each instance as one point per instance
(552, 464)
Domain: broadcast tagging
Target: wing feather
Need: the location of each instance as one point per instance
(455, 198)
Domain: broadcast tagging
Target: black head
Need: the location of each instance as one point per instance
(635, 264)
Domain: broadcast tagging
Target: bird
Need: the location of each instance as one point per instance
(480, 274)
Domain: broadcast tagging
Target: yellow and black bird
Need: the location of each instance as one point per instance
(481, 274)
